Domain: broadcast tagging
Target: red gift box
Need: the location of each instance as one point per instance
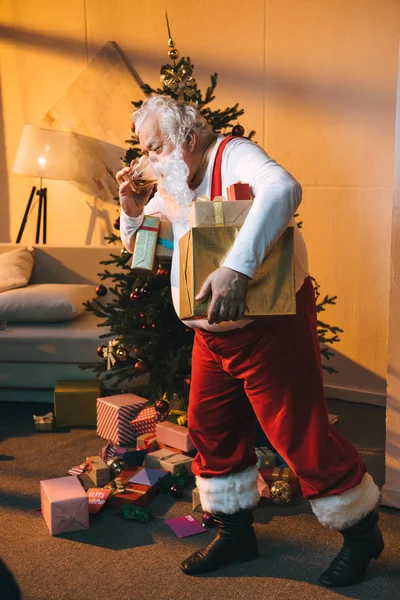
(114, 414)
(145, 421)
(239, 191)
(270, 475)
(135, 493)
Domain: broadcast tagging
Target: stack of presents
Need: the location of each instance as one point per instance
(145, 453)
(213, 228)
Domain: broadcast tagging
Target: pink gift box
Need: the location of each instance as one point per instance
(114, 414)
(174, 435)
(64, 505)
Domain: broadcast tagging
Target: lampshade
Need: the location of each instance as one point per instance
(45, 153)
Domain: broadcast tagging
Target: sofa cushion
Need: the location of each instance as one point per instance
(16, 268)
(45, 302)
(69, 342)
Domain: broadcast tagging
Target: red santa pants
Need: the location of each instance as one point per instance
(270, 369)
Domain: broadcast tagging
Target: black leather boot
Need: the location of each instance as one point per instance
(235, 542)
(362, 543)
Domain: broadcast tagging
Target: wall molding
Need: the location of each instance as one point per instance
(355, 395)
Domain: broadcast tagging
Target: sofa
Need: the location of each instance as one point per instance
(33, 356)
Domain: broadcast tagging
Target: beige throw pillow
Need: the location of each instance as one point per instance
(16, 268)
(45, 302)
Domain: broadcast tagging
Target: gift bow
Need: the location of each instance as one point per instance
(108, 354)
(47, 418)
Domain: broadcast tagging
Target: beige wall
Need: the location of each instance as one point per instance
(318, 82)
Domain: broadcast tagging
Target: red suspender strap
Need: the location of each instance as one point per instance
(216, 181)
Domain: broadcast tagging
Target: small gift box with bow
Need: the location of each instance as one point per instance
(168, 460)
(144, 252)
(97, 470)
(147, 441)
(45, 422)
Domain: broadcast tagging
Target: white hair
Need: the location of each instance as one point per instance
(176, 119)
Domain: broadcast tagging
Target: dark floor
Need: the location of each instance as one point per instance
(121, 560)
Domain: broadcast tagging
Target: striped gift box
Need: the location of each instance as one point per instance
(77, 470)
(114, 414)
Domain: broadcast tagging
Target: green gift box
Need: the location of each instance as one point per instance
(75, 402)
(144, 252)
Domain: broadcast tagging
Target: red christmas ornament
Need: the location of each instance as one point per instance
(161, 272)
(100, 350)
(186, 381)
(162, 406)
(208, 520)
(238, 131)
(140, 367)
(101, 290)
(117, 223)
(134, 296)
(176, 491)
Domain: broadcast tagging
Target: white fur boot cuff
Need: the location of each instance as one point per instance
(228, 494)
(346, 509)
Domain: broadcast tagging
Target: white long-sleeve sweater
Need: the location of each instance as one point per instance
(277, 196)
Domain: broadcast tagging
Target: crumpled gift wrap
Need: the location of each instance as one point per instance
(204, 249)
(130, 512)
(205, 213)
(144, 252)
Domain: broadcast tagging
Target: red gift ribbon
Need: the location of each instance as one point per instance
(146, 228)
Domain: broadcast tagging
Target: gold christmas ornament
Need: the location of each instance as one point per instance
(281, 493)
(121, 353)
(125, 253)
(178, 80)
(173, 53)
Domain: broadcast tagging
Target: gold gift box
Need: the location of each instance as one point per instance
(75, 402)
(204, 249)
(206, 213)
(144, 252)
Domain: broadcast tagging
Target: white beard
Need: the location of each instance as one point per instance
(173, 185)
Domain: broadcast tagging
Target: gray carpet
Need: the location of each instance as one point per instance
(121, 560)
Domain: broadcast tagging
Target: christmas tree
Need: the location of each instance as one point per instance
(147, 336)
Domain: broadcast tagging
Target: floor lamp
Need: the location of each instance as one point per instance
(45, 154)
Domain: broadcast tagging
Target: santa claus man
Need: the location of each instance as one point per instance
(244, 369)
